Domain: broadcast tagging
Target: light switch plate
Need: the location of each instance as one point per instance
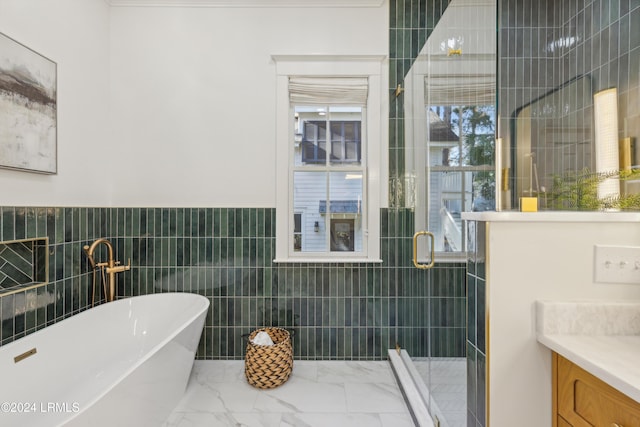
(617, 264)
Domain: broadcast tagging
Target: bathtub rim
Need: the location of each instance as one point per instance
(200, 311)
(153, 350)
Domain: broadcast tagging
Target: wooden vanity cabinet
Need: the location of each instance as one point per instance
(582, 400)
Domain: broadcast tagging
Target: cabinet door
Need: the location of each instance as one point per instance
(562, 422)
(584, 400)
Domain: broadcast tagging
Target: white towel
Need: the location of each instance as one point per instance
(262, 338)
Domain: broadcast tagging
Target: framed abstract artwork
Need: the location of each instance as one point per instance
(28, 109)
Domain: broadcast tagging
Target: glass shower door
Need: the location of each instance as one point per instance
(449, 128)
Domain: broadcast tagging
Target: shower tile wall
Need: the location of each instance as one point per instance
(339, 311)
(545, 43)
(410, 24)
(441, 290)
(476, 325)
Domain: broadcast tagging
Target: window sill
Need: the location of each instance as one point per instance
(327, 261)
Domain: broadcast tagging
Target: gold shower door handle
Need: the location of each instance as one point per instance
(415, 250)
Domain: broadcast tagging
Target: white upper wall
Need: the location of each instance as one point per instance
(171, 106)
(75, 35)
(193, 95)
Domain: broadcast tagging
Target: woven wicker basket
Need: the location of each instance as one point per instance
(268, 366)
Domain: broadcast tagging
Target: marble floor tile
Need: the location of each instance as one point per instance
(448, 385)
(394, 420)
(318, 393)
(302, 397)
(355, 372)
(334, 420)
(374, 397)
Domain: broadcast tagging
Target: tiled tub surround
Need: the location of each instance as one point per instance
(68, 289)
(23, 263)
(340, 311)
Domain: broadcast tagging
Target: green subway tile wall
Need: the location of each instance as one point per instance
(476, 324)
(410, 24)
(546, 44)
(67, 291)
(23, 262)
(431, 304)
(339, 311)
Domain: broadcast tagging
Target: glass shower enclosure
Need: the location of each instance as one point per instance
(449, 133)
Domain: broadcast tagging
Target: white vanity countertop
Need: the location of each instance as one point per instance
(601, 337)
(552, 216)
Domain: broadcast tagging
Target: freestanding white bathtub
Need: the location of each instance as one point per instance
(123, 363)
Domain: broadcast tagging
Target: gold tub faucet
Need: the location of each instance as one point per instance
(111, 267)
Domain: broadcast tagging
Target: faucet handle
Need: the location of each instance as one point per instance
(127, 267)
(117, 268)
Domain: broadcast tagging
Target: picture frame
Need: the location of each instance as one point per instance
(28, 101)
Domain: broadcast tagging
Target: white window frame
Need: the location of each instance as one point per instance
(374, 68)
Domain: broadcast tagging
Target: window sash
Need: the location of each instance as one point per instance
(329, 219)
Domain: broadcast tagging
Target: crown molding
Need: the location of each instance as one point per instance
(245, 3)
(319, 57)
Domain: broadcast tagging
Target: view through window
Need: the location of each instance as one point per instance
(328, 173)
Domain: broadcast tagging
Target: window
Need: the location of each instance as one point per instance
(328, 199)
(314, 142)
(327, 175)
(345, 141)
(297, 232)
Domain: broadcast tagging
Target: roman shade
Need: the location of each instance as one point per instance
(476, 89)
(328, 90)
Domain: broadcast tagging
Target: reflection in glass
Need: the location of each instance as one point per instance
(461, 151)
(552, 136)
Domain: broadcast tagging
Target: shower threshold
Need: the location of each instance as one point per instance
(417, 395)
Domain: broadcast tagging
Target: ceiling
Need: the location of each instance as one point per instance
(245, 3)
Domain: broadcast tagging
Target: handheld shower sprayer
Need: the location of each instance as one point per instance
(89, 256)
